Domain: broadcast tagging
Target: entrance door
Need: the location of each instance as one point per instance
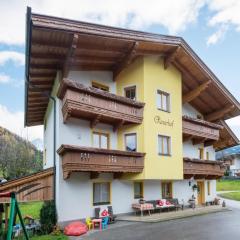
(201, 197)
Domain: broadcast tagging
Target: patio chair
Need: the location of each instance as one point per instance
(89, 223)
(112, 217)
(105, 222)
(97, 212)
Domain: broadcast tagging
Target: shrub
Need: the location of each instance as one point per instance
(48, 217)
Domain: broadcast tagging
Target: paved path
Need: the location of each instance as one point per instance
(230, 203)
(220, 226)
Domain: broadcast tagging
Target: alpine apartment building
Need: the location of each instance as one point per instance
(137, 115)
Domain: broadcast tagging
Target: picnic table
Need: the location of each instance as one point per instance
(143, 207)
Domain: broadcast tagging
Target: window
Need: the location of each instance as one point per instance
(100, 140)
(163, 101)
(201, 153)
(138, 190)
(131, 142)
(100, 86)
(207, 155)
(166, 190)
(101, 193)
(164, 147)
(130, 92)
(208, 188)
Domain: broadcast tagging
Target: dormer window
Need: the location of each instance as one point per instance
(130, 92)
(100, 86)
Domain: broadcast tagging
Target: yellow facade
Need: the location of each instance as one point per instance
(149, 75)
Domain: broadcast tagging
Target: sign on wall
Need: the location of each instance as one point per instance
(159, 120)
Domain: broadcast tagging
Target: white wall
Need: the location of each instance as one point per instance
(213, 190)
(87, 77)
(236, 164)
(191, 151)
(183, 191)
(188, 110)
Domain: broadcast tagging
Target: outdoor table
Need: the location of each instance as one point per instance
(143, 207)
(98, 221)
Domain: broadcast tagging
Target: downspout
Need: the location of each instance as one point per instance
(27, 83)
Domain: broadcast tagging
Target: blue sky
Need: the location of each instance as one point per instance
(211, 28)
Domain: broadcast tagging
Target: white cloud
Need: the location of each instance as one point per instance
(14, 122)
(234, 123)
(174, 15)
(16, 57)
(217, 36)
(225, 13)
(4, 78)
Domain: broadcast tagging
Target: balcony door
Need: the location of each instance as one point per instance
(100, 140)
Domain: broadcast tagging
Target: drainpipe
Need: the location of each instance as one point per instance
(27, 83)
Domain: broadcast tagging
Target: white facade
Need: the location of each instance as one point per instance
(235, 167)
(74, 196)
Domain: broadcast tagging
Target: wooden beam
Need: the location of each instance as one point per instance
(70, 55)
(188, 97)
(95, 121)
(117, 175)
(209, 143)
(187, 138)
(127, 60)
(94, 175)
(118, 125)
(198, 141)
(218, 114)
(170, 58)
(223, 143)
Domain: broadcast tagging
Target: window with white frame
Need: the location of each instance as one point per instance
(164, 145)
(163, 101)
(131, 142)
(100, 140)
(101, 193)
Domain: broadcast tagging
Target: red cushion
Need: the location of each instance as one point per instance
(75, 229)
(104, 213)
(168, 203)
(160, 202)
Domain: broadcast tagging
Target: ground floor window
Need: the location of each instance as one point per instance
(138, 190)
(101, 193)
(166, 190)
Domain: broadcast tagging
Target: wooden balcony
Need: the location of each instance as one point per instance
(200, 169)
(95, 160)
(199, 130)
(96, 105)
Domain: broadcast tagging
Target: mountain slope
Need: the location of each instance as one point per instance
(18, 157)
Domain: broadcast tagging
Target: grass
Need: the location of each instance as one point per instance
(231, 195)
(50, 237)
(31, 208)
(228, 185)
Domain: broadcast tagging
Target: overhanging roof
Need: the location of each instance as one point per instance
(56, 44)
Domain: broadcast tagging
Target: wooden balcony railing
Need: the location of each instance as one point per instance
(98, 106)
(198, 128)
(85, 159)
(202, 169)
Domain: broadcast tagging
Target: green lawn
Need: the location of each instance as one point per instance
(231, 195)
(31, 208)
(50, 237)
(228, 185)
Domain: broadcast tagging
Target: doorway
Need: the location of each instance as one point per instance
(201, 193)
